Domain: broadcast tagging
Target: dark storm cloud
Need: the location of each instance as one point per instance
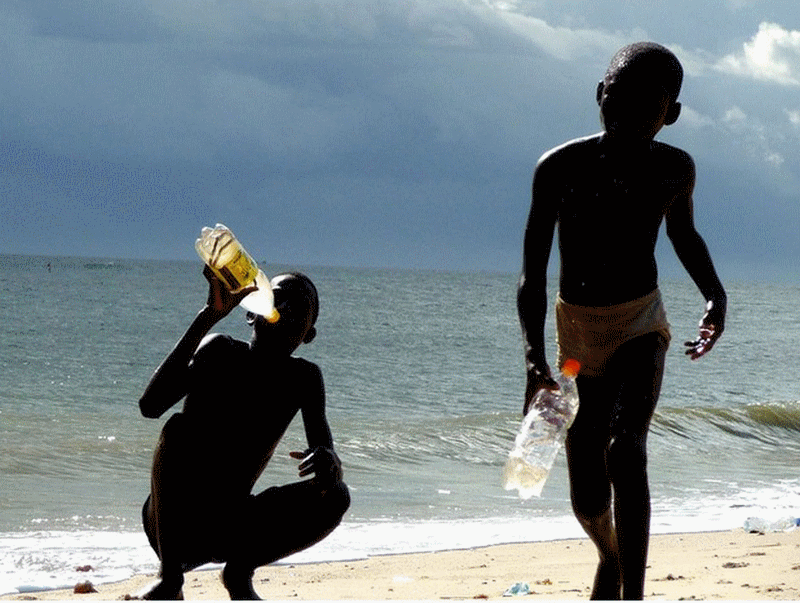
(360, 132)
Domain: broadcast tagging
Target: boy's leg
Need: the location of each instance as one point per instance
(169, 515)
(639, 367)
(605, 450)
(590, 486)
(170, 585)
(278, 522)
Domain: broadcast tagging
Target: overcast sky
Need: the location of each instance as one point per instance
(371, 133)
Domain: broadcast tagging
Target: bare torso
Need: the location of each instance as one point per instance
(237, 412)
(608, 225)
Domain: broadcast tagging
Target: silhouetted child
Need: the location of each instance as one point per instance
(608, 195)
(239, 399)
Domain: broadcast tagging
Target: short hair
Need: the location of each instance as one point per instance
(313, 290)
(661, 63)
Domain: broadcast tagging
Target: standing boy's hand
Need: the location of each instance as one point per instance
(711, 327)
(537, 379)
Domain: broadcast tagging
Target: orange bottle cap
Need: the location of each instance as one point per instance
(571, 367)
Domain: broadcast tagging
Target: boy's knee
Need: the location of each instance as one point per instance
(627, 460)
(329, 505)
(337, 500)
(589, 504)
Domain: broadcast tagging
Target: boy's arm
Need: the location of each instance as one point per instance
(693, 253)
(532, 289)
(320, 457)
(170, 382)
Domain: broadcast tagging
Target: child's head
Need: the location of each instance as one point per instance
(297, 300)
(301, 287)
(639, 92)
(654, 61)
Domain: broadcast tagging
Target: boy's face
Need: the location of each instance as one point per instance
(634, 105)
(297, 303)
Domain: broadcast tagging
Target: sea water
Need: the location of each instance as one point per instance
(424, 379)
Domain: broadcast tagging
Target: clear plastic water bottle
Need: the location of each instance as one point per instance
(760, 525)
(542, 434)
(230, 262)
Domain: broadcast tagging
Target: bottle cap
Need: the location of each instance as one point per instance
(571, 367)
(261, 300)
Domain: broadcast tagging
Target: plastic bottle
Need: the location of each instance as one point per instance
(224, 254)
(760, 525)
(542, 434)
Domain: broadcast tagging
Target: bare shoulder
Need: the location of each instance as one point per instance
(559, 163)
(570, 151)
(215, 340)
(306, 366)
(676, 161)
(307, 373)
(217, 344)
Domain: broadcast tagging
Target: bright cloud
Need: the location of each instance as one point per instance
(558, 41)
(692, 119)
(734, 115)
(794, 117)
(773, 55)
(752, 135)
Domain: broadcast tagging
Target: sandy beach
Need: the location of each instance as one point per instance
(716, 565)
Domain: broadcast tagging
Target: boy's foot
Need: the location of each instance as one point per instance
(239, 584)
(161, 591)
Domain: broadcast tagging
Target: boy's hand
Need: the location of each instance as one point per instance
(220, 300)
(322, 462)
(711, 327)
(538, 378)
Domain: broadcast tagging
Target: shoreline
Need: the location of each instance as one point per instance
(732, 565)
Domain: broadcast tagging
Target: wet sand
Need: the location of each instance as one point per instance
(716, 565)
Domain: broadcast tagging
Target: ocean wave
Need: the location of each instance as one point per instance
(481, 439)
(766, 422)
(783, 415)
(485, 439)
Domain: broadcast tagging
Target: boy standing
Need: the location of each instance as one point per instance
(608, 194)
(240, 398)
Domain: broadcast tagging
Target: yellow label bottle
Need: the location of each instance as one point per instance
(230, 262)
(226, 257)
